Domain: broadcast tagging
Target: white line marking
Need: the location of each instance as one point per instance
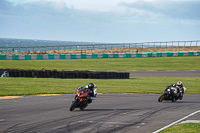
(176, 121)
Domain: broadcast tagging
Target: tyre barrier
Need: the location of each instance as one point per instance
(66, 74)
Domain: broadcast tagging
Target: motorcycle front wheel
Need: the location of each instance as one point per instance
(161, 98)
(73, 105)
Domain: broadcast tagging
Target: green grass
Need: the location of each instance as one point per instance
(28, 86)
(183, 128)
(152, 63)
(148, 85)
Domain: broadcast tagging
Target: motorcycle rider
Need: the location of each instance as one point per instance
(93, 89)
(179, 86)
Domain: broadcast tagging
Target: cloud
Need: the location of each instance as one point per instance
(171, 9)
(97, 20)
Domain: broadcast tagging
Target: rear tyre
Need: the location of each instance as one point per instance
(173, 99)
(161, 98)
(82, 107)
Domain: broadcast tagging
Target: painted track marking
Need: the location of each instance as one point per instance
(177, 121)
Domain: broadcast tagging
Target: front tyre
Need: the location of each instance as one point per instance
(72, 107)
(161, 98)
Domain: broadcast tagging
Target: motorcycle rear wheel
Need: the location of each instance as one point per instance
(161, 98)
(174, 99)
(82, 107)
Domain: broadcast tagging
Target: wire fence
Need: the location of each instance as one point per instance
(98, 46)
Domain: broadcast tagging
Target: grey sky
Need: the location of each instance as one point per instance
(101, 21)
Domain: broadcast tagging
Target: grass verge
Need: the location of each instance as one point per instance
(183, 128)
(152, 63)
(29, 86)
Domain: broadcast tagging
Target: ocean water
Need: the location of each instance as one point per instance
(9, 42)
(29, 44)
(9, 45)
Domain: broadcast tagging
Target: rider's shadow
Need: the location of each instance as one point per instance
(179, 102)
(110, 109)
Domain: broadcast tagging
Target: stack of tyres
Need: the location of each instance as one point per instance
(20, 73)
(28, 73)
(53, 73)
(63, 74)
(24, 73)
(48, 72)
(67, 74)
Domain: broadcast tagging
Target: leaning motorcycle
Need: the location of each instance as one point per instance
(171, 93)
(82, 99)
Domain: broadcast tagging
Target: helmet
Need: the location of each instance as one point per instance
(90, 85)
(179, 83)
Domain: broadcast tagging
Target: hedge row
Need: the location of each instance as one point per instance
(67, 74)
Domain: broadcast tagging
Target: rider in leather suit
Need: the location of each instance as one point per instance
(93, 89)
(179, 87)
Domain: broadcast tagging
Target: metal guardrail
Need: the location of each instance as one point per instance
(98, 46)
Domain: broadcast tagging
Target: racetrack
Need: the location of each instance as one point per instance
(128, 113)
(181, 73)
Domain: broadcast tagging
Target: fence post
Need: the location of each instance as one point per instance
(166, 44)
(6, 49)
(64, 47)
(160, 44)
(39, 49)
(33, 49)
(26, 49)
(196, 43)
(45, 49)
(172, 43)
(154, 45)
(191, 44)
(19, 49)
(129, 45)
(70, 47)
(93, 46)
(52, 48)
(58, 47)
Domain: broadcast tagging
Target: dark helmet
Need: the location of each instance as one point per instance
(90, 85)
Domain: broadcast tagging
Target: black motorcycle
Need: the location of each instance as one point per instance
(171, 93)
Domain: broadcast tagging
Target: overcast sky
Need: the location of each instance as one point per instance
(101, 20)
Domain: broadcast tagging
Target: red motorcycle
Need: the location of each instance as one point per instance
(82, 99)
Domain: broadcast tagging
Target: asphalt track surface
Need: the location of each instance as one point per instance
(108, 113)
(182, 73)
